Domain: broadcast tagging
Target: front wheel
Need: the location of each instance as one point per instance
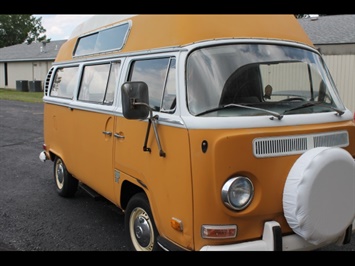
(140, 225)
(66, 185)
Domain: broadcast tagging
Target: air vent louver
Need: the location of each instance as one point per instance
(48, 78)
(288, 145)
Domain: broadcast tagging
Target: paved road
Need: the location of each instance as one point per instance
(32, 216)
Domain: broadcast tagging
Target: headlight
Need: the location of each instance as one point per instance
(237, 193)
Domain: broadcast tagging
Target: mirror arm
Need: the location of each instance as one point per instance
(152, 120)
(145, 148)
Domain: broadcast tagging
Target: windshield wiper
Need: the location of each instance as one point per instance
(274, 114)
(310, 104)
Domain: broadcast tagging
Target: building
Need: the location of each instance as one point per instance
(23, 63)
(334, 36)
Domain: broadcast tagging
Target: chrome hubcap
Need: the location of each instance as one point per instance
(142, 231)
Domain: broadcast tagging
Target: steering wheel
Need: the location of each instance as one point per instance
(293, 99)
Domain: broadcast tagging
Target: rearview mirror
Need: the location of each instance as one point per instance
(135, 100)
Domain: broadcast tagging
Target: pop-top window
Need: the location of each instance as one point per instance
(102, 41)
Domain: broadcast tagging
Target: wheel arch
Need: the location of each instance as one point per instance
(128, 190)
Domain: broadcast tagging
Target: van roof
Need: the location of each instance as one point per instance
(158, 31)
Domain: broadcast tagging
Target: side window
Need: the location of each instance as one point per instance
(65, 81)
(98, 83)
(159, 74)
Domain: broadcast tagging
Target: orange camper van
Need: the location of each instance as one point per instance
(210, 132)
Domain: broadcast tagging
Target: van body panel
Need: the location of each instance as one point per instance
(57, 121)
(230, 153)
(66, 50)
(153, 32)
(234, 102)
(76, 131)
(206, 27)
(167, 180)
(93, 166)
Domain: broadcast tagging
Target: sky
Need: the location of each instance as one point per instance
(59, 27)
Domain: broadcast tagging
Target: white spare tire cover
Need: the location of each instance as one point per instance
(319, 194)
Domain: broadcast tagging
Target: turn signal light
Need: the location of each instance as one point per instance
(218, 231)
(176, 224)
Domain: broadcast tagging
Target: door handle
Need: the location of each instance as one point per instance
(119, 136)
(108, 133)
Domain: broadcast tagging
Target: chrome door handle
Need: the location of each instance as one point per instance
(119, 136)
(108, 133)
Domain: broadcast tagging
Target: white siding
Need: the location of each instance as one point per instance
(31, 70)
(19, 71)
(342, 68)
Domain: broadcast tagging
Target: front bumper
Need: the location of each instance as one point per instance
(272, 240)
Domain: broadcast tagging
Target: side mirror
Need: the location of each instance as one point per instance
(135, 100)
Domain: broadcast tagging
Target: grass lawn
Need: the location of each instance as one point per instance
(23, 96)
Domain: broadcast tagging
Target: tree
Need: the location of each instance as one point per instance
(16, 29)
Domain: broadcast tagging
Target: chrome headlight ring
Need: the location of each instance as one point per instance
(237, 193)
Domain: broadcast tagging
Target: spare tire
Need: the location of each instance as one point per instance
(319, 194)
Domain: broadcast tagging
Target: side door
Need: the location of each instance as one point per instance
(165, 179)
(93, 113)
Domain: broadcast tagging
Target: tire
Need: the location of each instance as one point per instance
(140, 226)
(66, 185)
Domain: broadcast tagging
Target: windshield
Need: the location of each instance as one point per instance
(272, 78)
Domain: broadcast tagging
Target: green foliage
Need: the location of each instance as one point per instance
(17, 29)
(14, 95)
